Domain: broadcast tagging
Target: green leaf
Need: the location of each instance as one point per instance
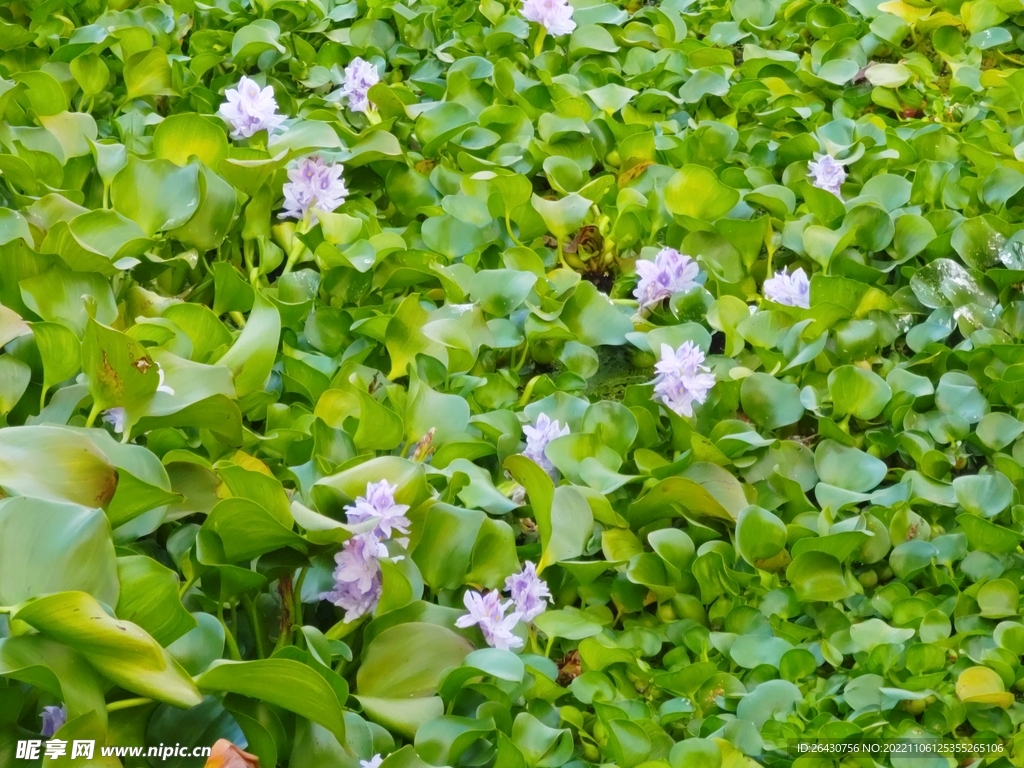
(594, 319)
(256, 38)
(156, 194)
(857, 392)
(696, 192)
(56, 669)
(148, 73)
(118, 650)
(379, 428)
(56, 296)
(252, 356)
(817, 577)
(563, 216)
(847, 468)
(47, 546)
(760, 535)
(56, 464)
(407, 661)
(284, 683)
(120, 372)
(210, 224)
(149, 598)
(769, 402)
(564, 519)
(13, 227)
(98, 241)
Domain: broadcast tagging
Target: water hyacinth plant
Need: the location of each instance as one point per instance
(506, 384)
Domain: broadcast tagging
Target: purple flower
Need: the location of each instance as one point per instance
(373, 762)
(488, 612)
(379, 502)
(249, 109)
(360, 77)
(554, 15)
(357, 579)
(669, 273)
(313, 184)
(528, 591)
(828, 174)
(792, 290)
(53, 720)
(682, 378)
(537, 439)
(117, 418)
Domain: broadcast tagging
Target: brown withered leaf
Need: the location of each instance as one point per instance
(631, 173)
(588, 239)
(569, 668)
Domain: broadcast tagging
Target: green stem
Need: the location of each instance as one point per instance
(527, 391)
(228, 635)
(534, 642)
(561, 255)
(254, 624)
(538, 44)
(508, 226)
(297, 245)
(297, 597)
(522, 357)
(285, 590)
(341, 629)
(247, 255)
(547, 648)
(93, 414)
(187, 586)
(116, 706)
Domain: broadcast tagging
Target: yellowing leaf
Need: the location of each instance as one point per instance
(981, 685)
(909, 13)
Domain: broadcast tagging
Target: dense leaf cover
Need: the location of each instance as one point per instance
(704, 318)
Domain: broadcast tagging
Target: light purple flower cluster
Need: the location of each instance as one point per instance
(486, 610)
(828, 174)
(529, 592)
(249, 109)
(682, 378)
(379, 502)
(360, 77)
(537, 438)
(312, 183)
(554, 15)
(669, 273)
(792, 290)
(373, 762)
(358, 579)
(53, 720)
